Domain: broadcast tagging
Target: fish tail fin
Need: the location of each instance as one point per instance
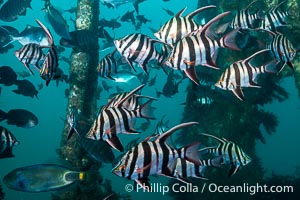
(229, 40)
(71, 132)
(75, 176)
(3, 115)
(191, 152)
(146, 110)
(272, 67)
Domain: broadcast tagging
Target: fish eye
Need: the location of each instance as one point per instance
(121, 168)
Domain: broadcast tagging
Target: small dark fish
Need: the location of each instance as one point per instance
(113, 23)
(71, 10)
(23, 74)
(19, 117)
(57, 21)
(7, 142)
(40, 86)
(152, 81)
(86, 39)
(128, 17)
(169, 12)
(171, 86)
(142, 19)
(67, 92)
(119, 90)
(42, 178)
(12, 9)
(26, 88)
(8, 76)
(105, 86)
(60, 76)
(4, 50)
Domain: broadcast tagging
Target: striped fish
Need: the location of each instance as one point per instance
(245, 20)
(178, 26)
(274, 18)
(198, 49)
(30, 54)
(138, 48)
(231, 153)
(112, 120)
(182, 169)
(243, 74)
(108, 66)
(50, 64)
(7, 142)
(153, 157)
(282, 49)
(73, 122)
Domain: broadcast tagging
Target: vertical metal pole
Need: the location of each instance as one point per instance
(83, 84)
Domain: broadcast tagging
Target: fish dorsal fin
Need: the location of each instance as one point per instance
(247, 60)
(49, 35)
(163, 137)
(247, 8)
(212, 136)
(208, 24)
(129, 95)
(196, 12)
(279, 4)
(180, 12)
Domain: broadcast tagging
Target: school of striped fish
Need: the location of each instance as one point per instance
(181, 44)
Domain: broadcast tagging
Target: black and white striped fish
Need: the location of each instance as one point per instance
(139, 48)
(182, 169)
(50, 64)
(112, 120)
(199, 49)
(178, 26)
(274, 18)
(244, 74)
(153, 157)
(72, 118)
(7, 142)
(108, 65)
(246, 20)
(30, 54)
(282, 49)
(231, 153)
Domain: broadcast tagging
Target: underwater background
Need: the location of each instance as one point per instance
(265, 126)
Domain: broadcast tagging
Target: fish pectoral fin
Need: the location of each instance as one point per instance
(141, 170)
(115, 143)
(190, 63)
(191, 73)
(144, 183)
(239, 93)
(253, 84)
(233, 170)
